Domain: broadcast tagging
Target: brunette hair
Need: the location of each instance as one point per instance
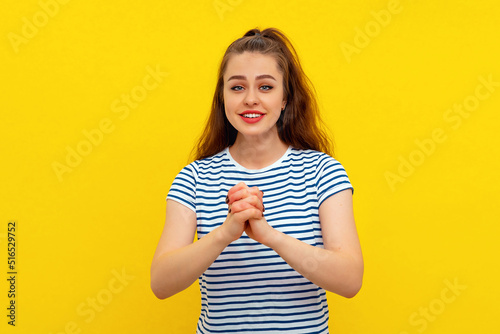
(299, 125)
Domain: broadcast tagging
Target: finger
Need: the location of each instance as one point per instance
(235, 189)
(256, 201)
(238, 195)
(259, 193)
(247, 202)
(241, 192)
(246, 215)
(239, 206)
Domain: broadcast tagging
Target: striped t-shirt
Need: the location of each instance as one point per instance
(249, 288)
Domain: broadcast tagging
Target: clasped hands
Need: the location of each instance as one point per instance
(246, 214)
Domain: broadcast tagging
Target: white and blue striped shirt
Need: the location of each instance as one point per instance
(249, 287)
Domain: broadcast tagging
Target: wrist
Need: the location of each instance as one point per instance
(220, 237)
(274, 238)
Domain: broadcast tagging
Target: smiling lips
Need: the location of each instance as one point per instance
(251, 116)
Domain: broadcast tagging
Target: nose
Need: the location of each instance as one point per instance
(251, 97)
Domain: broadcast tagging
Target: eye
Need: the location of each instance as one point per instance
(266, 87)
(236, 88)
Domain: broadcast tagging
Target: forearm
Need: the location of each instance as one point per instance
(175, 271)
(333, 270)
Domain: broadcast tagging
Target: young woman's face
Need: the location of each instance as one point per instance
(253, 94)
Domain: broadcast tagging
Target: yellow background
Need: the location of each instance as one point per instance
(437, 225)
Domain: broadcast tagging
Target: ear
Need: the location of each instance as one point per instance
(283, 105)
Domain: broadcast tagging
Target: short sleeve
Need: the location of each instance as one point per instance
(183, 189)
(331, 178)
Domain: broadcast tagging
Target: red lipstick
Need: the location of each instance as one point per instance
(252, 116)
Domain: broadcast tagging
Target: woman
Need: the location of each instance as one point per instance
(271, 208)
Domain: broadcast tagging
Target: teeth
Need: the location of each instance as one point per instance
(251, 115)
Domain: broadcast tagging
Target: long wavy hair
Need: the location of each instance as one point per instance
(299, 124)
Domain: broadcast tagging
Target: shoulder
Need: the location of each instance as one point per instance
(190, 178)
(319, 160)
(213, 161)
(328, 173)
(202, 166)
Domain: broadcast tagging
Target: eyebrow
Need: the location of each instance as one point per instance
(242, 77)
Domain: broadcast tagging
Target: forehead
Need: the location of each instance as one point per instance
(251, 64)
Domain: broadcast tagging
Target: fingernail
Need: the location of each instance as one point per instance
(227, 199)
(229, 211)
(264, 208)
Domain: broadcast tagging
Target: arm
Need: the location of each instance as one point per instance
(339, 266)
(178, 261)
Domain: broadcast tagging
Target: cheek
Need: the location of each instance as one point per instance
(226, 102)
(230, 103)
(276, 103)
(227, 106)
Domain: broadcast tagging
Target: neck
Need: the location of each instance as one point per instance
(257, 153)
